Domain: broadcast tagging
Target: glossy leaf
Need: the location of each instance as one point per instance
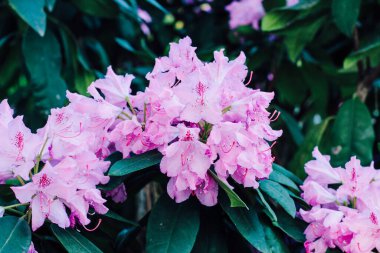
(172, 227)
(292, 227)
(345, 14)
(115, 216)
(286, 173)
(235, 200)
(371, 50)
(280, 195)
(352, 133)
(43, 61)
(293, 126)
(282, 179)
(247, 223)
(15, 235)
(73, 241)
(32, 12)
(297, 38)
(313, 139)
(274, 241)
(135, 163)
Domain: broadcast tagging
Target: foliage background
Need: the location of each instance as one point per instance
(321, 57)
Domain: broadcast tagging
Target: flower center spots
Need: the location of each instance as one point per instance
(200, 89)
(353, 174)
(188, 136)
(44, 181)
(373, 218)
(59, 117)
(19, 141)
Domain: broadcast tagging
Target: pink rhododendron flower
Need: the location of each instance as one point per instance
(32, 249)
(118, 195)
(245, 12)
(345, 206)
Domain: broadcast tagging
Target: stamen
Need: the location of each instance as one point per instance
(274, 143)
(250, 79)
(95, 228)
(275, 115)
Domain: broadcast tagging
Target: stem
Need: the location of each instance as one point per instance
(144, 123)
(125, 114)
(15, 205)
(39, 157)
(227, 109)
(20, 180)
(130, 106)
(14, 211)
(365, 85)
(357, 45)
(354, 202)
(29, 213)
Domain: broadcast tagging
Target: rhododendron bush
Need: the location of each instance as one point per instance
(189, 126)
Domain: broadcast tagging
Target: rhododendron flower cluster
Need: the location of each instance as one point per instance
(198, 115)
(248, 12)
(345, 204)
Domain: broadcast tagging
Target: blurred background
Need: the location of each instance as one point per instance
(314, 55)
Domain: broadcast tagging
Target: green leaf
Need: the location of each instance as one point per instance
(282, 179)
(172, 227)
(211, 237)
(125, 44)
(43, 61)
(352, 133)
(50, 4)
(274, 241)
(247, 223)
(345, 14)
(135, 163)
(112, 215)
(303, 154)
(272, 215)
(158, 6)
(32, 12)
(371, 50)
(279, 194)
(15, 235)
(235, 200)
(292, 125)
(281, 18)
(286, 173)
(292, 227)
(73, 241)
(297, 38)
(98, 8)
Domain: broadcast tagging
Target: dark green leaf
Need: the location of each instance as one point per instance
(297, 38)
(275, 243)
(279, 194)
(292, 227)
(32, 12)
(313, 139)
(135, 163)
(345, 14)
(157, 5)
(125, 44)
(370, 51)
(115, 216)
(73, 241)
(172, 227)
(286, 173)
(50, 4)
(211, 237)
(15, 235)
(272, 215)
(235, 200)
(98, 8)
(352, 133)
(43, 61)
(282, 179)
(292, 126)
(247, 223)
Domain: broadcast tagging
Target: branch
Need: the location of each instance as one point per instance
(365, 85)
